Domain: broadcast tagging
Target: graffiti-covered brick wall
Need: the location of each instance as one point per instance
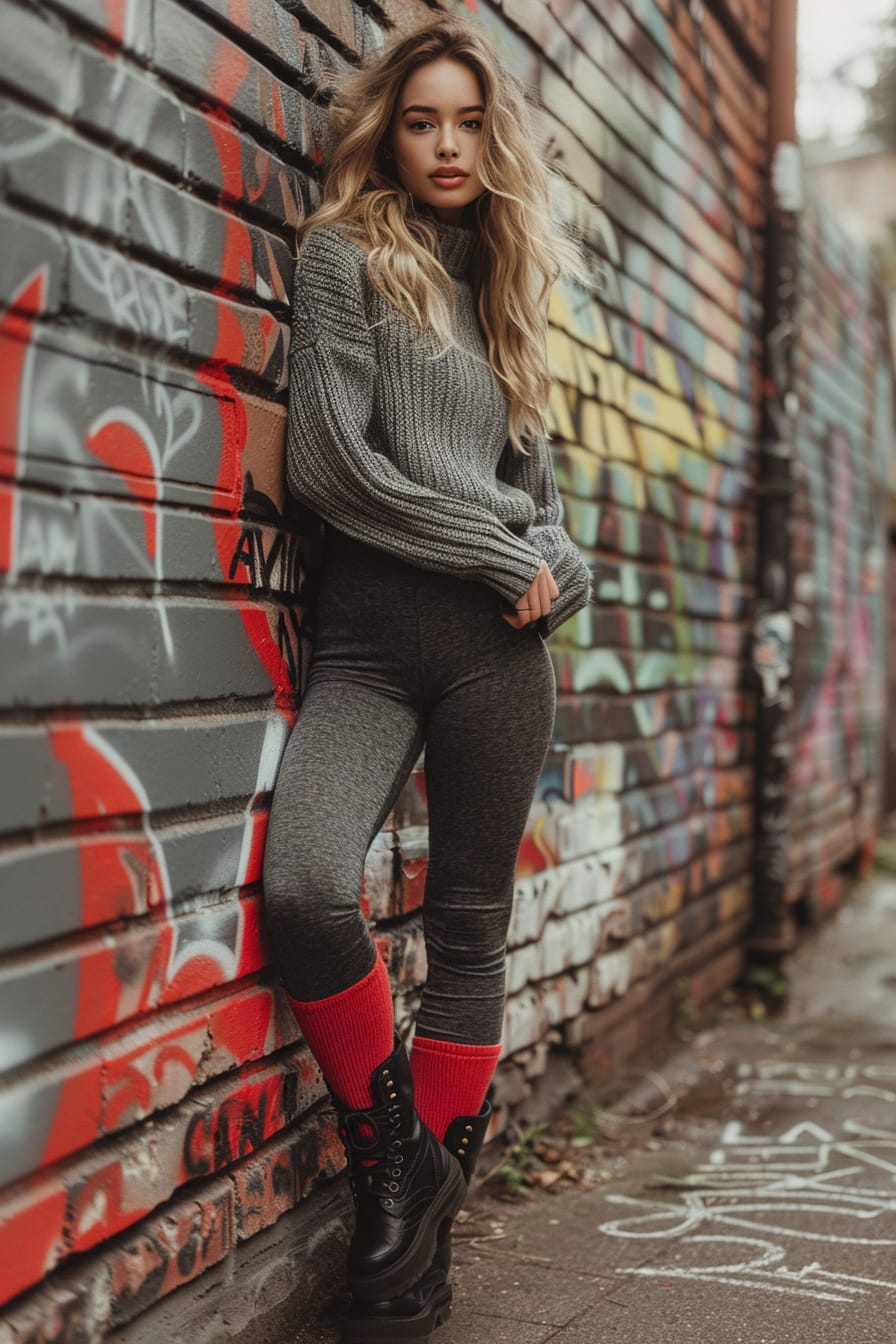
(828, 445)
(844, 445)
(158, 1108)
(155, 159)
(634, 886)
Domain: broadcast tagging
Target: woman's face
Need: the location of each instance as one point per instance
(437, 134)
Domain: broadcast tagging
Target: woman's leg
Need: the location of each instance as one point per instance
(349, 754)
(486, 741)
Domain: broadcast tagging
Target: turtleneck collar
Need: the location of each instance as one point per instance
(456, 245)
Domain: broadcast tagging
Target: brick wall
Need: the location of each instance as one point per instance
(156, 159)
(829, 442)
(844, 447)
(158, 1109)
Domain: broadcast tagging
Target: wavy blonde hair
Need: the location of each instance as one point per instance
(522, 247)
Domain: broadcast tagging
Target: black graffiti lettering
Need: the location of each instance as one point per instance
(267, 549)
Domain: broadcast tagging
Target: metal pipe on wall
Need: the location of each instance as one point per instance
(773, 926)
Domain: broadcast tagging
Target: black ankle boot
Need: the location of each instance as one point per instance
(410, 1317)
(464, 1138)
(406, 1185)
(415, 1314)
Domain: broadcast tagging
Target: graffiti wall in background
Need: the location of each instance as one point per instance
(157, 1108)
(844, 442)
(154, 159)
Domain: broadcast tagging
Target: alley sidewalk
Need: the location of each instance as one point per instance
(758, 1208)
(762, 1211)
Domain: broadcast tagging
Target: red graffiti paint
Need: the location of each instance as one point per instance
(16, 334)
(7, 526)
(255, 619)
(230, 68)
(78, 1115)
(227, 74)
(96, 1207)
(238, 1126)
(116, 15)
(277, 115)
(128, 1077)
(155, 962)
(130, 1089)
(102, 784)
(201, 970)
(230, 345)
(122, 447)
(252, 867)
(241, 1027)
(534, 853)
(24, 1259)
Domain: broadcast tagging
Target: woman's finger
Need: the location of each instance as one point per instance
(545, 593)
(549, 589)
(537, 601)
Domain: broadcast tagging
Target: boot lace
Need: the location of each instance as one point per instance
(374, 1150)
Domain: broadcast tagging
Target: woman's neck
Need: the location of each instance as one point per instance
(456, 242)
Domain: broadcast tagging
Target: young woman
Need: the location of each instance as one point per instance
(417, 431)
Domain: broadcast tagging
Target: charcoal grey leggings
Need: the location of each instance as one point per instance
(404, 657)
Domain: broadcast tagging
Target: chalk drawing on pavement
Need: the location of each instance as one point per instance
(762, 1186)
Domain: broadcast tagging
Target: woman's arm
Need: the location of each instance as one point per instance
(535, 474)
(330, 462)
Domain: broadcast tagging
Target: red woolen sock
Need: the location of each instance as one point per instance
(450, 1079)
(350, 1034)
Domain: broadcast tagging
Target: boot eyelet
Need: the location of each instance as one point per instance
(387, 1203)
(469, 1129)
(392, 1096)
(393, 1186)
(396, 1171)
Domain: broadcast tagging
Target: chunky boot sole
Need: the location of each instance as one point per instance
(398, 1277)
(418, 1329)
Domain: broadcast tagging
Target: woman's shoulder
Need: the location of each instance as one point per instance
(341, 241)
(331, 289)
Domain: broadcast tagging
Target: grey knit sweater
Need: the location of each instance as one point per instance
(409, 453)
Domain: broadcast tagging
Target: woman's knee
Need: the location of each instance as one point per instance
(319, 940)
(307, 884)
(467, 942)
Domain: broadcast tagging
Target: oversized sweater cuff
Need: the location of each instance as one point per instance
(571, 574)
(576, 596)
(519, 566)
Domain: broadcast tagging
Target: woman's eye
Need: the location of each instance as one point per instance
(472, 121)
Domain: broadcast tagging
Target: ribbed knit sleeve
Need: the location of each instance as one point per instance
(535, 474)
(331, 463)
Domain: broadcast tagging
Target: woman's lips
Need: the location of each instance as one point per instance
(446, 180)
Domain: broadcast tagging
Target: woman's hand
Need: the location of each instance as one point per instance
(537, 601)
